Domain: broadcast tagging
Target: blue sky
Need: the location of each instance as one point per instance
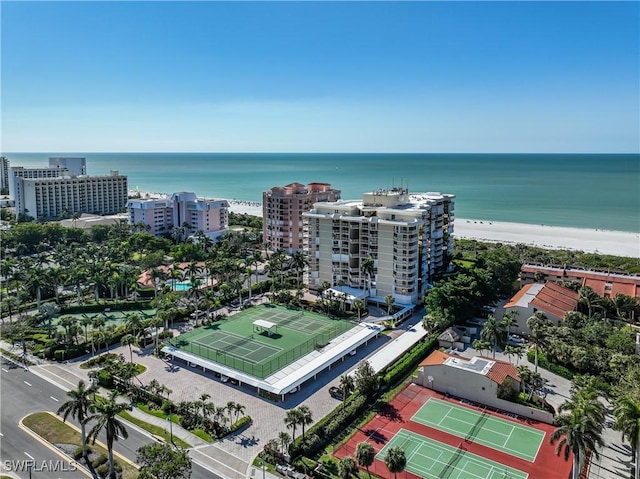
(320, 77)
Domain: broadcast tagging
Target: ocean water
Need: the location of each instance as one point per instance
(578, 190)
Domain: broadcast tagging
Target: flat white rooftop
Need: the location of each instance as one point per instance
(290, 377)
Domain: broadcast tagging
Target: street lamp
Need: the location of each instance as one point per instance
(170, 429)
(262, 464)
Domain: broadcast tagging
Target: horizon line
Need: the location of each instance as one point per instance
(329, 152)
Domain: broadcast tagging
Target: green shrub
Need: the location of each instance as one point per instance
(544, 363)
(202, 435)
(100, 460)
(105, 379)
(103, 470)
(77, 454)
(409, 361)
(240, 423)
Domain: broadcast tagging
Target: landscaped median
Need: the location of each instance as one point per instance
(156, 431)
(67, 439)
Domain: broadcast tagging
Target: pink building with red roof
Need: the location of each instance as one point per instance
(605, 283)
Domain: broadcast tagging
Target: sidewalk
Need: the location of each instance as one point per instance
(67, 380)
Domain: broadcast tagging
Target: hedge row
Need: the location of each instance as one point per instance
(409, 361)
(99, 308)
(544, 363)
(240, 423)
(325, 430)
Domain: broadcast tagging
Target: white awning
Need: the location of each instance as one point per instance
(264, 324)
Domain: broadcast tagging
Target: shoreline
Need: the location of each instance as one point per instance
(589, 240)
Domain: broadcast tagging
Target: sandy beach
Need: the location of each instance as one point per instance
(619, 243)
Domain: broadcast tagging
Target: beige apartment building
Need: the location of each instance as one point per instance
(47, 198)
(282, 209)
(408, 237)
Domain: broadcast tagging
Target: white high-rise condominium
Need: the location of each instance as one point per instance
(49, 198)
(408, 238)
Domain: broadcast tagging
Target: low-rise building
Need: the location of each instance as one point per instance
(605, 283)
(550, 298)
(476, 379)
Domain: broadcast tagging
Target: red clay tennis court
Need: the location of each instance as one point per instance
(436, 449)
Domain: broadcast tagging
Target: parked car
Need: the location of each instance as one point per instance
(516, 340)
(336, 393)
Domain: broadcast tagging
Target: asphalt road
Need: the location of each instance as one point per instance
(22, 393)
(16, 445)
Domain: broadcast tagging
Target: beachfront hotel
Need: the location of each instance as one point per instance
(282, 209)
(408, 237)
(63, 187)
(160, 215)
(48, 198)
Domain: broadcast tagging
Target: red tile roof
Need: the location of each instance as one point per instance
(435, 358)
(619, 282)
(500, 370)
(518, 295)
(555, 299)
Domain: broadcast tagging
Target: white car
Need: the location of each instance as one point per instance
(513, 339)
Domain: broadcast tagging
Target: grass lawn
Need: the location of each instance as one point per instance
(51, 428)
(153, 429)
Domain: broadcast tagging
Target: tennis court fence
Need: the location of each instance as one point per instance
(264, 369)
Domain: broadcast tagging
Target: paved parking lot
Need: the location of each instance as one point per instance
(188, 383)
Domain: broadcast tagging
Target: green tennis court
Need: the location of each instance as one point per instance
(221, 342)
(481, 427)
(297, 320)
(236, 342)
(433, 460)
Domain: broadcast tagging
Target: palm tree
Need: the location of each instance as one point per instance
(539, 336)
(368, 268)
(627, 414)
(347, 385)
(238, 409)
(509, 320)
(128, 340)
(284, 440)
(298, 263)
(230, 407)
(78, 407)
(202, 402)
(493, 332)
(395, 460)
(513, 351)
(347, 467)
(480, 345)
(575, 434)
(106, 414)
(365, 454)
(359, 306)
(306, 418)
(589, 298)
(388, 300)
(134, 321)
(292, 419)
